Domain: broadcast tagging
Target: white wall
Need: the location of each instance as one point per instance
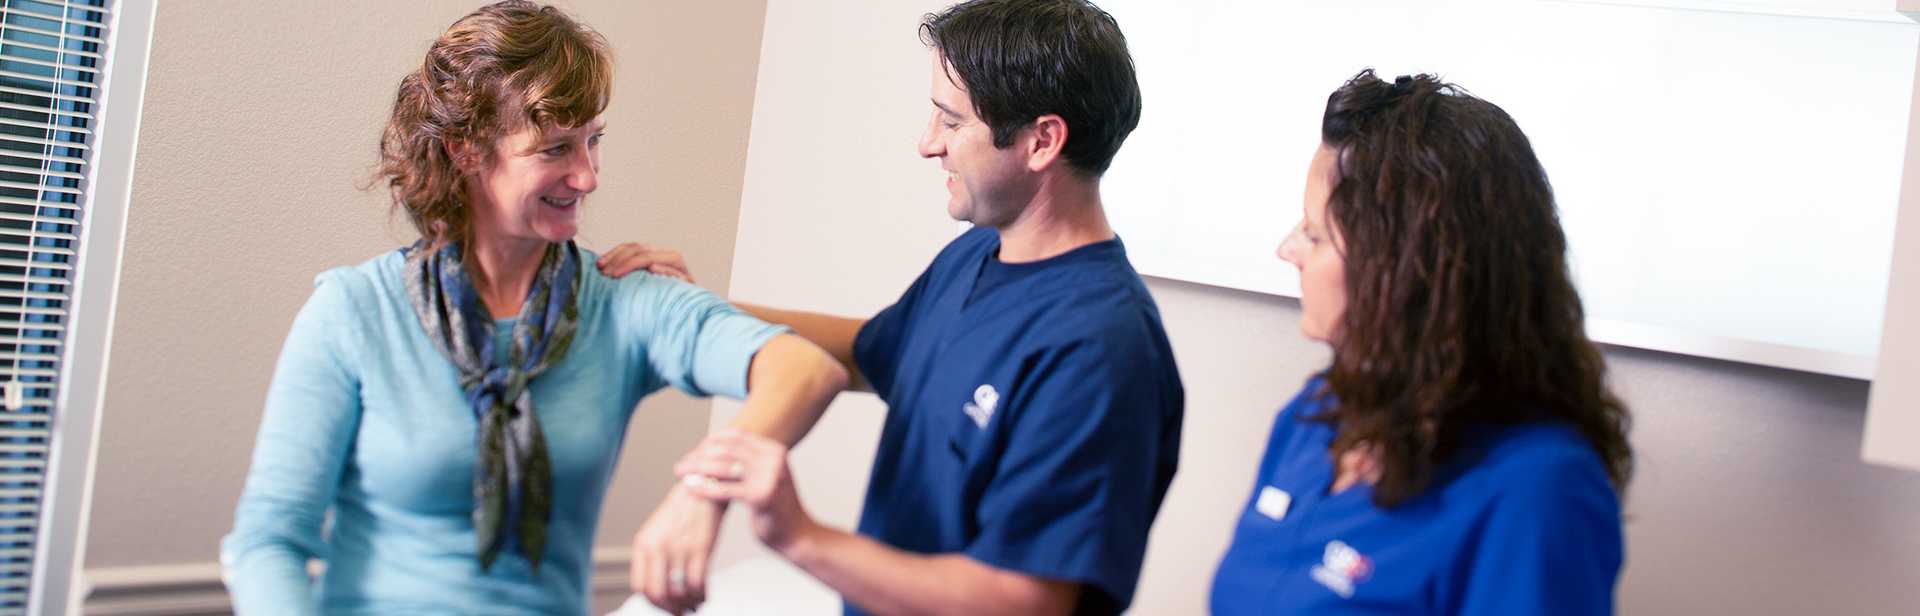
(1676, 192)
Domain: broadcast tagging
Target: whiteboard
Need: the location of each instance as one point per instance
(1727, 179)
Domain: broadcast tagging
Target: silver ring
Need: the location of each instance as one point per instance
(676, 578)
(738, 469)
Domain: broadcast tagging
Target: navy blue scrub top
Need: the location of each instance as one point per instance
(1033, 418)
(1522, 521)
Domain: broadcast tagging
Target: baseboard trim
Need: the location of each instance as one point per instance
(195, 589)
(187, 589)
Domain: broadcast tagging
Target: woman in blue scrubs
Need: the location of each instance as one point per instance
(1462, 454)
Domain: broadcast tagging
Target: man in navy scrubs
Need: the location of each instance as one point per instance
(1033, 404)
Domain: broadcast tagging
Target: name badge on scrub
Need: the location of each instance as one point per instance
(1273, 502)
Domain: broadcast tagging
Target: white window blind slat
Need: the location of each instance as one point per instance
(40, 62)
(11, 89)
(25, 278)
(22, 258)
(8, 203)
(35, 232)
(32, 109)
(6, 165)
(16, 340)
(49, 373)
(41, 125)
(14, 164)
(41, 187)
(30, 78)
(27, 186)
(52, 48)
(7, 356)
(38, 141)
(11, 313)
(40, 132)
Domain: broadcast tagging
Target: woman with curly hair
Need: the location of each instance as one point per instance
(1462, 454)
(444, 418)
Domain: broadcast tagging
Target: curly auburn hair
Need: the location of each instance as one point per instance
(1460, 309)
(503, 68)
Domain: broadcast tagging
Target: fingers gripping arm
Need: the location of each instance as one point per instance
(877, 577)
(789, 383)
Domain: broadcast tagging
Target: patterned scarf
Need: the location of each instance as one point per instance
(513, 477)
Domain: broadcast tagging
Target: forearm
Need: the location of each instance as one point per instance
(789, 384)
(886, 581)
(832, 334)
(269, 579)
(276, 526)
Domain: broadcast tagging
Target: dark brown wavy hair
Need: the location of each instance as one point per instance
(508, 66)
(1460, 309)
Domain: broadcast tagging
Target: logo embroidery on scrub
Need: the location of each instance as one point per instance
(1342, 569)
(981, 408)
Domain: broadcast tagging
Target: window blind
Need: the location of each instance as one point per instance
(50, 60)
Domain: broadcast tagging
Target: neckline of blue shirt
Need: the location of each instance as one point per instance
(995, 273)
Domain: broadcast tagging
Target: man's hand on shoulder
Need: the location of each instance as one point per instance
(633, 256)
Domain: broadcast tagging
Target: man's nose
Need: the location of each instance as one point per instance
(930, 144)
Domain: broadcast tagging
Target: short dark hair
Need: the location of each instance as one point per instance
(1022, 59)
(1460, 308)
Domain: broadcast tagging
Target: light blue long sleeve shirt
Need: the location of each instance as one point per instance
(367, 434)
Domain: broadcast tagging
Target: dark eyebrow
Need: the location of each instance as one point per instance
(945, 109)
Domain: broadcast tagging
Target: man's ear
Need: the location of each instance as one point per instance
(1048, 136)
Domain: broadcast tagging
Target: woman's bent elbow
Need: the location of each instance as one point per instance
(828, 371)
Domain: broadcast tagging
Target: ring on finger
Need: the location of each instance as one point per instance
(738, 469)
(677, 578)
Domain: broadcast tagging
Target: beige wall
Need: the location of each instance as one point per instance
(260, 121)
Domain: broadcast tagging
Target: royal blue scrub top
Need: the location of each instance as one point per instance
(1033, 415)
(1522, 521)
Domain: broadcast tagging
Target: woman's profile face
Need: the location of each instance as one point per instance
(1315, 246)
(533, 188)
